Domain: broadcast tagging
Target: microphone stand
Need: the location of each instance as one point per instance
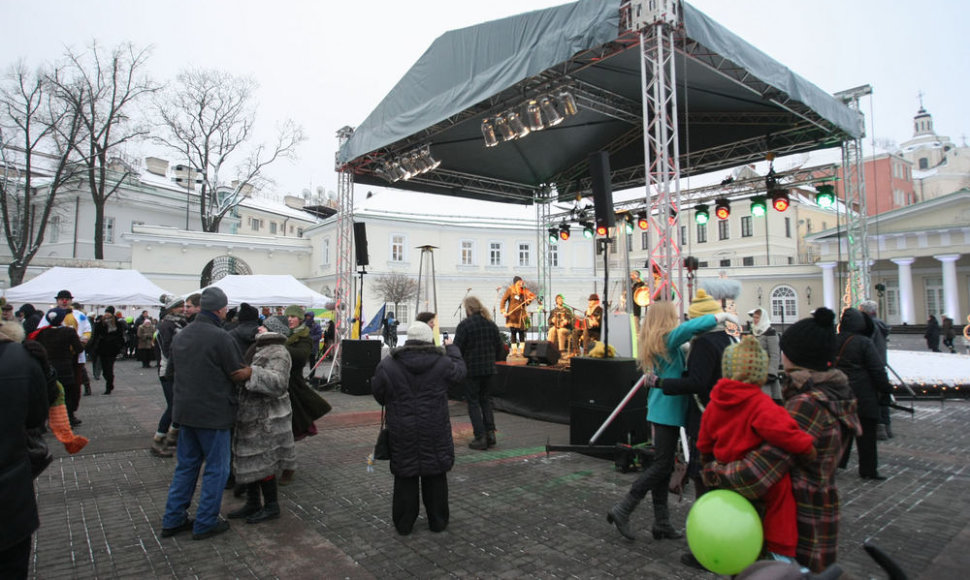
(460, 304)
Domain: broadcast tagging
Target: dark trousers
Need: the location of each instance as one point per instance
(72, 397)
(478, 393)
(15, 560)
(516, 332)
(166, 419)
(656, 478)
(868, 458)
(108, 369)
(405, 507)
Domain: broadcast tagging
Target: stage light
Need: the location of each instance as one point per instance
(568, 104)
(553, 235)
(642, 222)
(602, 230)
(587, 229)
(779, 200)
(503, 129)
(628, 222)
(533, 115)
(758, 206)
(825, 195)
(722, 209)
(488, 132)
(564, 231)
(516, 124)
(701, 214)
(553, 117)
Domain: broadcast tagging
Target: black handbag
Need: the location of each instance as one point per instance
(38, 453)
(382, 450)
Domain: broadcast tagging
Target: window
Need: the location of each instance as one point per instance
(299, 232)
(629, 243)
(467, 251)
(723, 229)
(702, 264)
(272, 227)
(525, 253)
(644, 240)
(701, 233)
(397, 248)
(725, 263)
(554, 255)
(784, 305)
(808, 226)
(109, 230)
(495, 253)
(934, 297)
(54, 229)
(255, 224)
(787, 227)
(683, 235)
(924, 163)
(325, 252)
(599, 246)
(746, 231)
(747, 261)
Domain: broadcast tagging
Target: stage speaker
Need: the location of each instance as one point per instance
(358, 359)
(604, 381)
(541, 352)
(629, 426)
(355, 381)
(599, 173)
(360, 242)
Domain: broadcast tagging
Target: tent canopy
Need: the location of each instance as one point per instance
(734, 103)
(270, 290)
(89, 286)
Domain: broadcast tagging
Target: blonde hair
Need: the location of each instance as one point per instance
(661, 318)
(474, 306)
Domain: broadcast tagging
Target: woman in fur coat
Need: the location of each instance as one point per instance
(263, 439)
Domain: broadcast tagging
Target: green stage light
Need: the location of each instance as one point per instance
(825, 196)
(759, 206)
(701, 214)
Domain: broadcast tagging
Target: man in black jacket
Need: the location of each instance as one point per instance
(480, 343)
(206, 362)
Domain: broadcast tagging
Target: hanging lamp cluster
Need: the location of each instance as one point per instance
(408, 164)
(535, 114)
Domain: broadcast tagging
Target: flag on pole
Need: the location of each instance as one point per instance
(355, 329)
(375, 324)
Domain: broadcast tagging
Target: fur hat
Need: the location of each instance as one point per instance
(294, 310)
(277, 324)
(247, 313)
(745, 361)
(213, 299)
(420, 331)
(703, 304)
(56, 316)
(810, 342)
(11, 331)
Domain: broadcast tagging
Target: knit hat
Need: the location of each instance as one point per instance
(420, 331)
(55, 316)
(745, 361)
(213, 299)
(294, 310)
(247, 313)
(703, 304)
(810, 342)
(277, 325)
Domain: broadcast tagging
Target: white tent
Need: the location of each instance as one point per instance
(270, 290)
(89, 286)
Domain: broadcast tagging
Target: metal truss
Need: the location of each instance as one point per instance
(345, 235)
(856, 214)
(543, 202)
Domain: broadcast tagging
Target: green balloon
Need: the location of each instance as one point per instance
(724, 532)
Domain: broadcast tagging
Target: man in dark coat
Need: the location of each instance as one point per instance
(23, 405)
(63, 346)
(879, 335)
(206, 362)
(481, 345)
(176, 316)
(30, 316)
(413, 384)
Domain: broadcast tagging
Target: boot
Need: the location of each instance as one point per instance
(271, 506)
(619, 515)
(490, 438)
(87, 390)
(252, 505)
(287, 477)
(661, 524)
(172, 437)
(889, 430)
(480, 443)
(158, 446)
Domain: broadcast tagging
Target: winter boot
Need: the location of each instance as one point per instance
(172, 437)
(490, 438)
(480, 443)
(661, 524)
(252, 505)
(158, 446)
(271, 505)
(619, 515)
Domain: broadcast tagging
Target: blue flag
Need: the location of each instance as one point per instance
(375, 324)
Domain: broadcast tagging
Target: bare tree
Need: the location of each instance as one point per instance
(104, 89)
(38, 132)
(209, 117)
(395, 288)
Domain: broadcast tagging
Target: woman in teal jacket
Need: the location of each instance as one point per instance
(661, 355)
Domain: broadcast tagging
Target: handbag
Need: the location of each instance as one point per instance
(38, 452)
(382, 449)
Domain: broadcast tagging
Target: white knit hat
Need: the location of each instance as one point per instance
(418, 330)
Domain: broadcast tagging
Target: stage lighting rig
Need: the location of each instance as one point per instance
(759, 206)
(825, 195)
(553, 235)
(722, 209)
(780, 200)
(564, 231)
(701, 214)
(587, 229)
(642, 221)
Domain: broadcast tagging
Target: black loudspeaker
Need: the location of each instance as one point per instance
(360, 242)
(599, 173)
(358, 359)
(541, 352)
(630, 426)
(604, 382)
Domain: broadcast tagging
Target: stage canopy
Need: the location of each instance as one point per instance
(734, 103)
(270, 290)
(95, 286)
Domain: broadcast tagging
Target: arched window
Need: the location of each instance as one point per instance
(784, 305)
(222, 266)
(924, 163)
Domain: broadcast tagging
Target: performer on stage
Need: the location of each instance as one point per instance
(513, 304)
(560, 324)
(594, 319)
(637, 283)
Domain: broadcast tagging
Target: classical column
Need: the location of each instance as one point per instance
(951, 293)
(829, 291)
(906, 310)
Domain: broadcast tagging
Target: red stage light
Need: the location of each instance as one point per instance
(601, 231)
(780, 203)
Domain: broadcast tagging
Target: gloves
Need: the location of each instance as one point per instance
(650, 380)
(727, 316)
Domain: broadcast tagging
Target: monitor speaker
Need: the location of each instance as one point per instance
(360, 242)
(541, 352)
(599, 173)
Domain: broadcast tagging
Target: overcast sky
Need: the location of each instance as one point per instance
(327, 64)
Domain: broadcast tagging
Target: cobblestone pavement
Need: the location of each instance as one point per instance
(515, 510)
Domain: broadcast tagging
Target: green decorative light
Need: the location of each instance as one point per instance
(759, 206)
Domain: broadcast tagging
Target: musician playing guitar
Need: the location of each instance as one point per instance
(594, 320)
(513, 304)
(560, 324)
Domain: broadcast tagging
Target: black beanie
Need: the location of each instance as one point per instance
(810, 342)
(247, 313)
